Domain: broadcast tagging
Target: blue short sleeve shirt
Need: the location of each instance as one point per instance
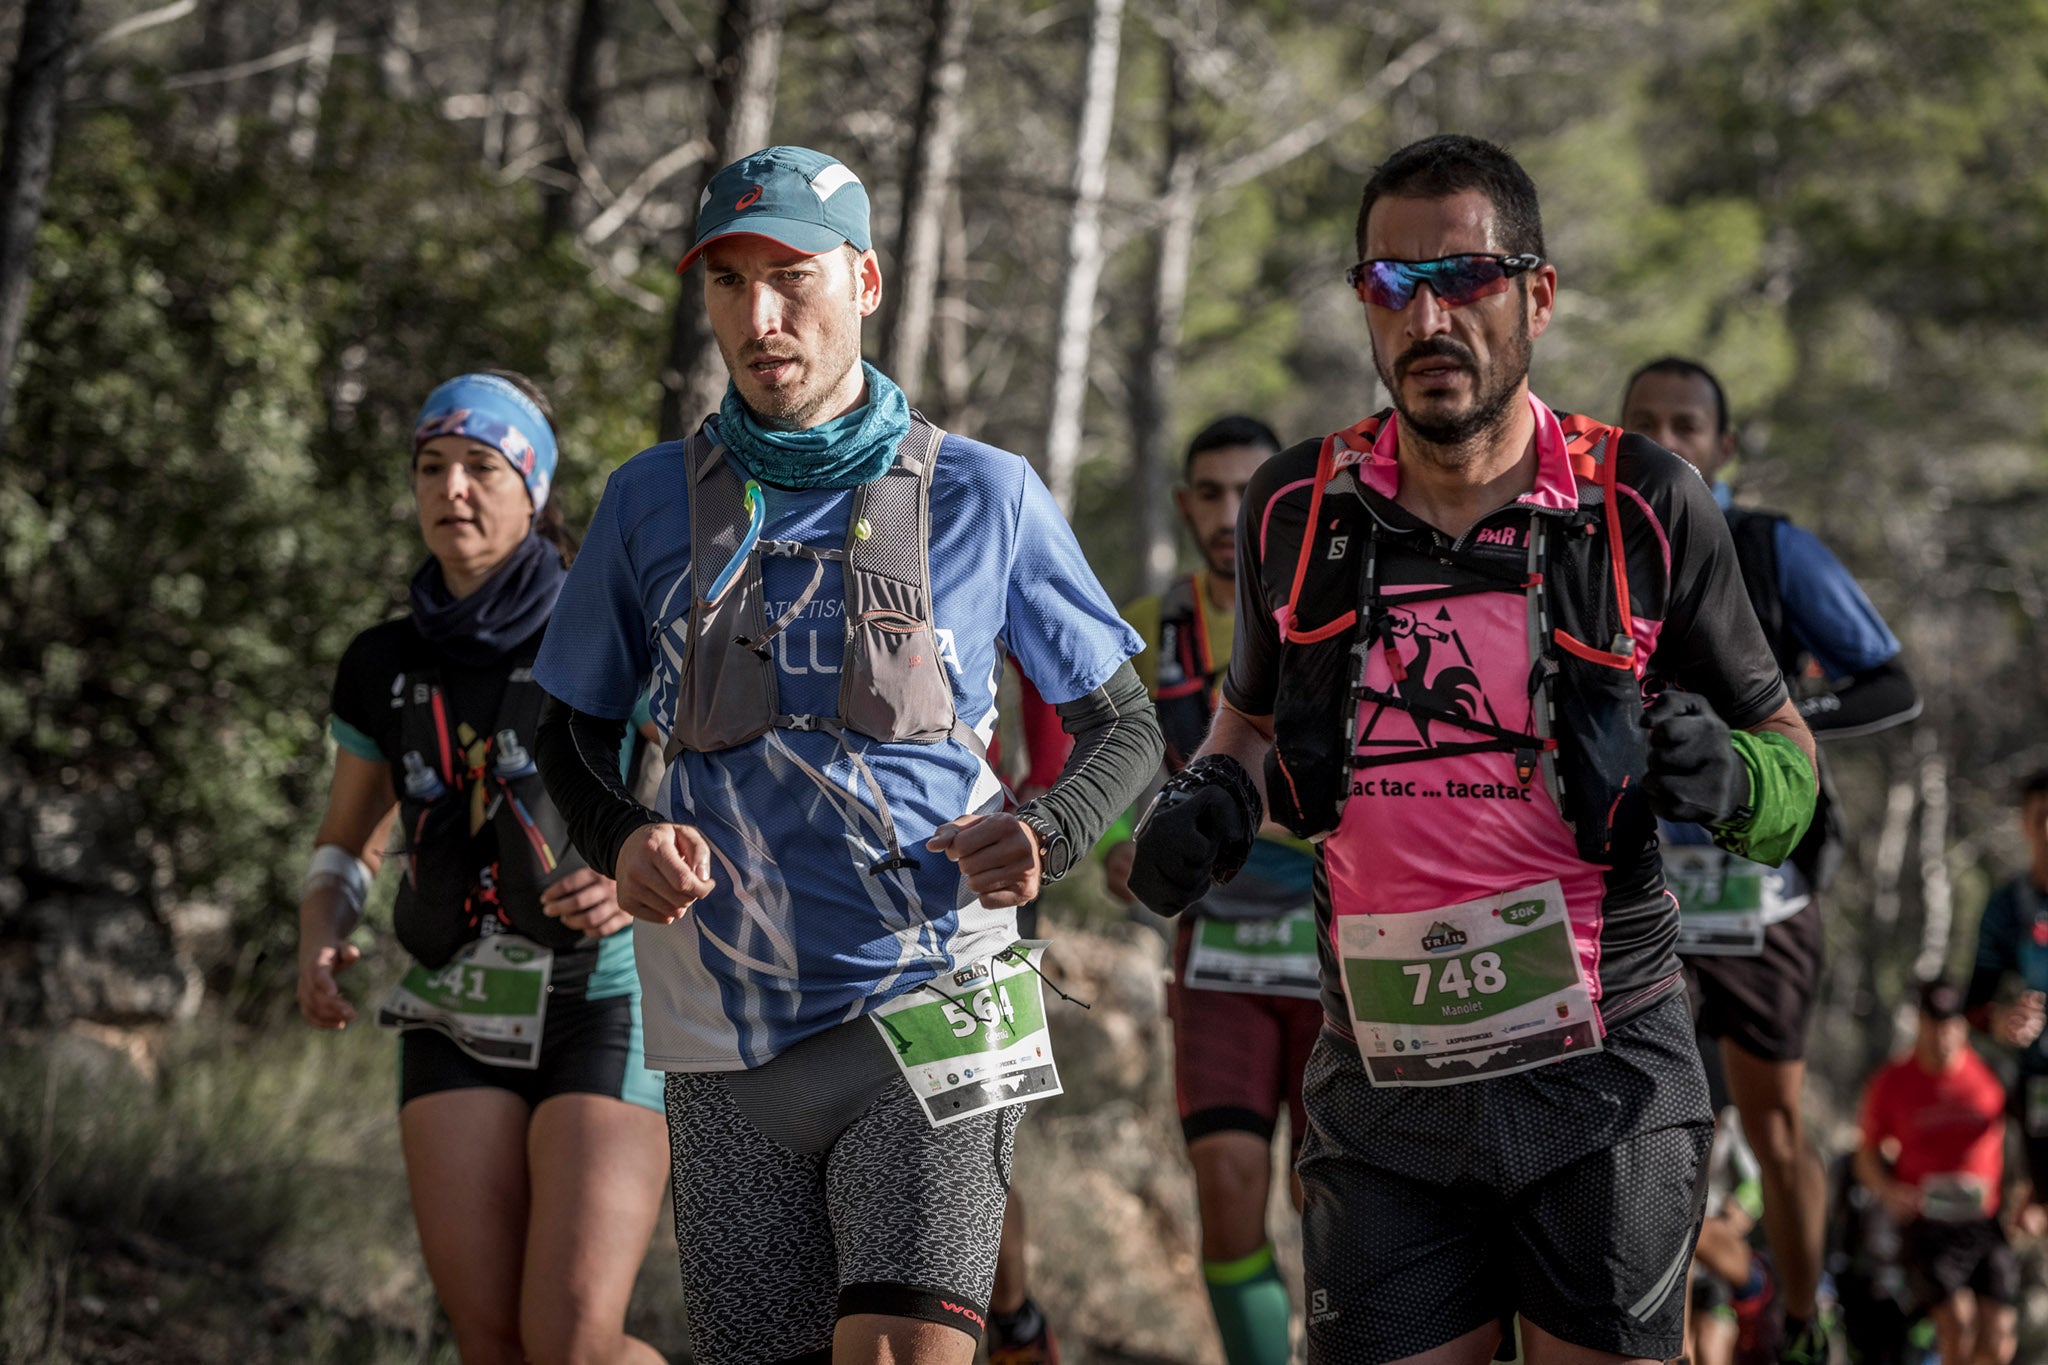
(798, 934)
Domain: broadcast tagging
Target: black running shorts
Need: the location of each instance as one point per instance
(814, 1188)
(588, 1047)
(1761, 1004)
(1942, 1258)
(1569, 1194)
(2027, 1102)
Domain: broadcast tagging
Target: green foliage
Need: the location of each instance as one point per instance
(253, 1154)
(209, 495)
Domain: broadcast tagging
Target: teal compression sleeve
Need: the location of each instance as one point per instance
(1781, 798)
(1250, 1303)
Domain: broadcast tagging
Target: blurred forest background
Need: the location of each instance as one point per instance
(240, 241)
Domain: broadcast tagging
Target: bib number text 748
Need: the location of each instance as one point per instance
(1486, 977)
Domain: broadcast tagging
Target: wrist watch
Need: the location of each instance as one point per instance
(1055, 854)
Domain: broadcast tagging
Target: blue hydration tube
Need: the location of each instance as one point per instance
(756, 503)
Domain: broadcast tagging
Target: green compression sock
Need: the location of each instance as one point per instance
(1250, 1304)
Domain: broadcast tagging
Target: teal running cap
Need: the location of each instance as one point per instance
(804, 200)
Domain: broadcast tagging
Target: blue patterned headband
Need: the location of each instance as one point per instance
(486, 408)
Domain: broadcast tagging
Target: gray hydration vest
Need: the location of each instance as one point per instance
(893, 685)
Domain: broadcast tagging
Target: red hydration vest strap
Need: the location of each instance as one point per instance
(1595, 449)
(1596, 454)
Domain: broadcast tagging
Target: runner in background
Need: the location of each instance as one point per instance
(1752, 937)
(1242, 997)
(1933, 1150)
(1731, 1288)
(532, 1134)
(2012, 940)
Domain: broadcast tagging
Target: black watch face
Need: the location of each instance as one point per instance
(1055, 854)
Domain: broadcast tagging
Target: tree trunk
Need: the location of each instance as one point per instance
(1935, 893)
(28, 152)
(1157, 370)
(956, 373)
(582, 108)
(312, 88)
(743, 113)
(398, 43)
(499, 72)
(934, 145)
(1083, 266)
(1889, 866)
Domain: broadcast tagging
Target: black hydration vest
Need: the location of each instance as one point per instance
(442, 905)
(1185, 689)
(1819, 854)
(1586, 740)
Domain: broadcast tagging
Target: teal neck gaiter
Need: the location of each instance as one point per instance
(842, 453)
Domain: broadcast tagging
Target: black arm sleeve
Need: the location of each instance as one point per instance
(1875, 699)
(578, 756)
(1983, 988)
(1117, 750)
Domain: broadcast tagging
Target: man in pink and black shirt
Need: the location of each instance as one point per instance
(1481, 646)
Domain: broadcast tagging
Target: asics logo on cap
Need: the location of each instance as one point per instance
(749, 199)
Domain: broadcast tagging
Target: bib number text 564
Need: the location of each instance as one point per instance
(1486, 977)
(988, 1006)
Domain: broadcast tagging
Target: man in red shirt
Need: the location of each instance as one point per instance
(1933, 1152)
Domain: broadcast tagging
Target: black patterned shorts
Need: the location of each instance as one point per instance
(1568, 1194)
(813, 1188)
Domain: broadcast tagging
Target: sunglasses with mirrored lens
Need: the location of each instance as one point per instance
(1455, 280)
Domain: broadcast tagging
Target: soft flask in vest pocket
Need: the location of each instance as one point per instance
(1602, 754)
(439, 872)
(1603, 751)
(893, 684)
(1308, 771)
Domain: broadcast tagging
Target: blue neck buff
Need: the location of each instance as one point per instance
(842, 453)
(508, 607)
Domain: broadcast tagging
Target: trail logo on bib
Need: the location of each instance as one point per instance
(1444, 938)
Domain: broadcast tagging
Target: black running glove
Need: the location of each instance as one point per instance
(1198, 831)
(1695, 776)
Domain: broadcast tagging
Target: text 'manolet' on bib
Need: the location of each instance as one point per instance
(1485, 988)
(975, 1040)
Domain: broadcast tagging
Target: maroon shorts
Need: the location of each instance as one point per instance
(1237, 1057)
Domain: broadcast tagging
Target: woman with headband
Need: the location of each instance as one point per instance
(533, 1139)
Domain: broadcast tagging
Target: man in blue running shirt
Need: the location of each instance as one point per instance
(1754, 970)
(820, 590)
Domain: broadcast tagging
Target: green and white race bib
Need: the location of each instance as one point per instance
(1256, 956)
(1953, 1197)
(2037, 1106)
(1467, 992)
(975, 1040)
(1724, 901)
(491, 1000)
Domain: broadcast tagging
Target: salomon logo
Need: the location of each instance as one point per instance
(1338, 546)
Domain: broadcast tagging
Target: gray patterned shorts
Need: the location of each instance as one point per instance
(813, 1188)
